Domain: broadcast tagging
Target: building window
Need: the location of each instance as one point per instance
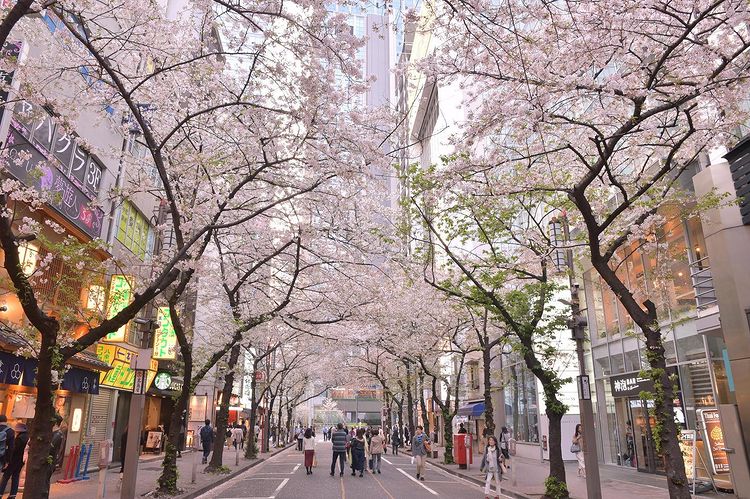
(133, 230)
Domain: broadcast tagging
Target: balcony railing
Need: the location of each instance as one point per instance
(703, 282)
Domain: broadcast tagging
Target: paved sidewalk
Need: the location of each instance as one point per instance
(525, 479)
(149, 470)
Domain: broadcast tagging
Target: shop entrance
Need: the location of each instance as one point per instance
(647, 459)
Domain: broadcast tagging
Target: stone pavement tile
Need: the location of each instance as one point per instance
(525, 479)
(148, 474)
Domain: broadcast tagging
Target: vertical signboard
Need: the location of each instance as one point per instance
(165, 338)
(714, 440)
(120, 292)
(687, 446)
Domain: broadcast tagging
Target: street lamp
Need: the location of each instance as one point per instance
(560, 234)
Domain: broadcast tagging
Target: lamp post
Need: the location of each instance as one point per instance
(577, 323)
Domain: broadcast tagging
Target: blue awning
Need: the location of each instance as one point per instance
(473, 409)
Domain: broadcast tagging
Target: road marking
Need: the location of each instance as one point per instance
(417, 482)
(278, 489)
(343, 491)
(382, 486)
(387, 461)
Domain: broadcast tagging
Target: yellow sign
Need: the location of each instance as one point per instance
(165, 339)
(120, 292)
(121, 376)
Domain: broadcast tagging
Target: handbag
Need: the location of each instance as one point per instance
(315, 461)
(575, 448)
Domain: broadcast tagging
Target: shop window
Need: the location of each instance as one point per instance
(521, 397)
(594, 288)
(609, 303)
(133, 230)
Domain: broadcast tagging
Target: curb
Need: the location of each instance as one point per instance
(507, 492)
(226, 478)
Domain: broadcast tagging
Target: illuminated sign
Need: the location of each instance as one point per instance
(165, 338)
(163, 380)
(121, 376)
(714, 438)
(120, 292)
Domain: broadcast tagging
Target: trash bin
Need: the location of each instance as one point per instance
(460, 442)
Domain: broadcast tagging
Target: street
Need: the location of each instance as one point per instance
(283, 476)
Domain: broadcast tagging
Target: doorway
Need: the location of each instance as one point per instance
(647, 459)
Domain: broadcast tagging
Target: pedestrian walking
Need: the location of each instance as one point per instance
(308, 444)
(12, 470)
(420, 447)
(243, 427)
(237, 435)
(207, 439)
(491, 465)
(338, 441)
(395, 441)
(377, 446)
(359, 451)
(407, 436)
(300, 436)
(505, 445)
(577, 449)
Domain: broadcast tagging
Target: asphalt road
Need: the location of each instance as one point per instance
(283, 477)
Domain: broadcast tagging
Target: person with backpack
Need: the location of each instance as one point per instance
(54, 452)
(420, 447)
(207, 439)
(12, 470)
(7, 437)
(300, 437)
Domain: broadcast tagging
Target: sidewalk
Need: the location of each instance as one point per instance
(525, 479)
(149, 469)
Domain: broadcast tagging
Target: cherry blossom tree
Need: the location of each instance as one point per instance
(227, 142)
(606, 105)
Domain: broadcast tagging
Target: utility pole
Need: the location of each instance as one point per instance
(577, 324)
(138, 399)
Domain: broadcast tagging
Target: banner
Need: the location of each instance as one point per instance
(121, 376)
(714, 440)
(687, 446)
(120, 292)
(165, 338)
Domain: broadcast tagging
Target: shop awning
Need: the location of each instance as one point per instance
(473, 409)
(81, 381)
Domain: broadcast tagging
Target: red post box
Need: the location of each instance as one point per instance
(460, 443)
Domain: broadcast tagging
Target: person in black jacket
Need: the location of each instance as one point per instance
(12, 470)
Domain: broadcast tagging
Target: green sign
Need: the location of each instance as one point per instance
(165, 339)
(163, 380)
(120, 292)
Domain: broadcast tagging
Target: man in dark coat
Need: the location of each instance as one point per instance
(54, 451)
(12, 470)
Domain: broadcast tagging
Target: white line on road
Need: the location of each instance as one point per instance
(417, 482)
(278, 489)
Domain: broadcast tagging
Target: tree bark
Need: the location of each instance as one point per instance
(409, 401)
(40, 429)
(223, 415)
(168, 478)
(250, 449)
(423, 405)
(489, 410)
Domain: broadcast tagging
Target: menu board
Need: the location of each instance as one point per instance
(714, 439)
(687, 446)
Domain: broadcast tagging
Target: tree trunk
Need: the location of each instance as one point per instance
(250, 445)
(556, 463)
(409, 402)
(423, 405)
(489, 410)
(40, 429)
(448, 435)
(666, 433)
(168, 478)
(223, 415)
(278, 421)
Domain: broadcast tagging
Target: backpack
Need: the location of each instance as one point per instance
(3, 439)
